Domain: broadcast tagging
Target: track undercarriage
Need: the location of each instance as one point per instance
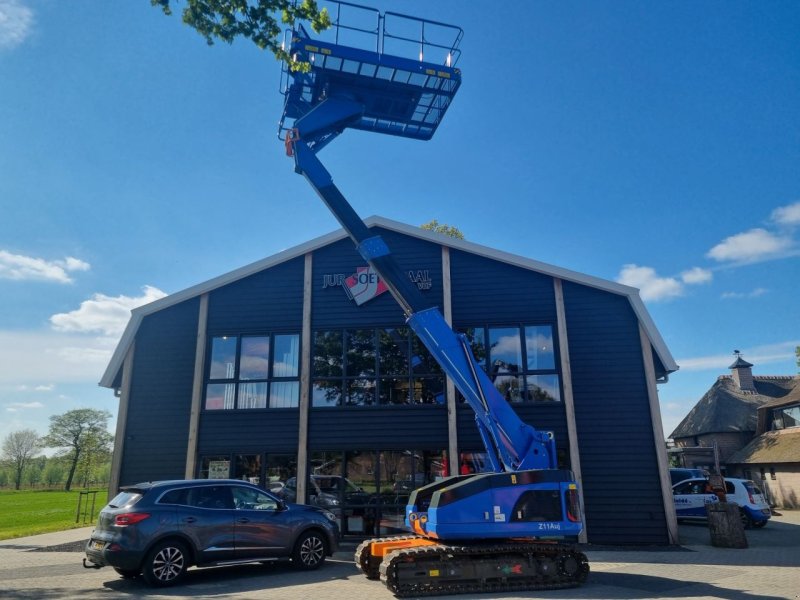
(415, 566)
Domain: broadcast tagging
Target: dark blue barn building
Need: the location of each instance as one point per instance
(297, 372)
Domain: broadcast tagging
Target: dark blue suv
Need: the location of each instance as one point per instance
(159, 529)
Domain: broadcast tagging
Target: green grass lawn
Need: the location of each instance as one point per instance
(28, 512)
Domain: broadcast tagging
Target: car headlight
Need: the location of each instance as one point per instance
(329, 515)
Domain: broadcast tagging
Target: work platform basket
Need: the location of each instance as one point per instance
(402, 70)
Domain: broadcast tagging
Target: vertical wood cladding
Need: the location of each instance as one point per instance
(270, 300)
(622, 493)
(157, 428)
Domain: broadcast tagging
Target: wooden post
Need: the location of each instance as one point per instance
(725, 525)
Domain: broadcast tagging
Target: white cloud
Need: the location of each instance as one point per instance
(751, 246)
(104, 314)
(787, 215)
(751, 294)
(77, 349)
(16, 23)
(757, 355)
(651, 286)
(28, 268)
(696, 275)
(18, 406)
(29, 356)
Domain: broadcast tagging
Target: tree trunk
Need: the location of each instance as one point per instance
(725, 525)
(72, 468)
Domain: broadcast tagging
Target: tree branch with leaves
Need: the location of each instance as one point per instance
(260, 21)
(19, 448)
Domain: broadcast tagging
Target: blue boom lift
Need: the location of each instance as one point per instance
(495, 531)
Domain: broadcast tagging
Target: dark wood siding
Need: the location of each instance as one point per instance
(157, 429)
(266, 301)
(248, 432)
(622, 492)
(485, 291)
(381, 428)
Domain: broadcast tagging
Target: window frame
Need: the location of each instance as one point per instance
(524, 373)
(237, 384)
(416, 384)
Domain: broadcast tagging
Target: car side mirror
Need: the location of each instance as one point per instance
(281, 506)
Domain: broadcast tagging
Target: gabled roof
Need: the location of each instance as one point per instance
(771, 447)
(726, 408)
(631, 293)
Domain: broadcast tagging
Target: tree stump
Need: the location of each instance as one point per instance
(725, 525)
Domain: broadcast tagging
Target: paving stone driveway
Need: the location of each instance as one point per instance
(49, 566)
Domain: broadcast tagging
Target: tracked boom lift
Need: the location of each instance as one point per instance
(495, 531)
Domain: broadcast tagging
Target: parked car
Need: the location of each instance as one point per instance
(327, 491)
(677, 475)
(693, 495)
(159, 529)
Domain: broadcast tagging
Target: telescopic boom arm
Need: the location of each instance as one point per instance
(512, 445)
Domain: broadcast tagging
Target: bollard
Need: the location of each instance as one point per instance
(725, 525)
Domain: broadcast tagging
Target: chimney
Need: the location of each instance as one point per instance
(742, 373)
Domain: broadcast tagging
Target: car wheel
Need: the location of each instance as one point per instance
(747, 522)
(309, 551)
(166, 563)
(127, 573)
(759, 524)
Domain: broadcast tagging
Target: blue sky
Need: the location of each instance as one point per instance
(654, 144)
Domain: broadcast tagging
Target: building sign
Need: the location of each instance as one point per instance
(365, 284)
(219, 469)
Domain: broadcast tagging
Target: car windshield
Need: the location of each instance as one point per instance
(752, 488)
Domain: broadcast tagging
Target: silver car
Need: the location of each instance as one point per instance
(159, 529)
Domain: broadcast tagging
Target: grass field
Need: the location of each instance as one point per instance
(29, 512)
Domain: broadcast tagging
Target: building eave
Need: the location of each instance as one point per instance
(632, 294)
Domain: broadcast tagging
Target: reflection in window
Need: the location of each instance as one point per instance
(539, 348)
(365, 367)
(223, 358)
(287, 356)
(477, 342)
(361, 352)
(247, 467)
(520, 372)
(328, 354)
(543, 387)
(284, 394)
(326, 392)
(254, 362)
(220, 396)
(252, 395)
(505, 351)
(510, 387)
(253, 372)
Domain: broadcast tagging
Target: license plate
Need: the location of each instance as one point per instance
(97, 545)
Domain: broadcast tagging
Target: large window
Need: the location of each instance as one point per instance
(783, 418)
(271, 473)
(521, 361)
(368, 367)
(253, 371)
